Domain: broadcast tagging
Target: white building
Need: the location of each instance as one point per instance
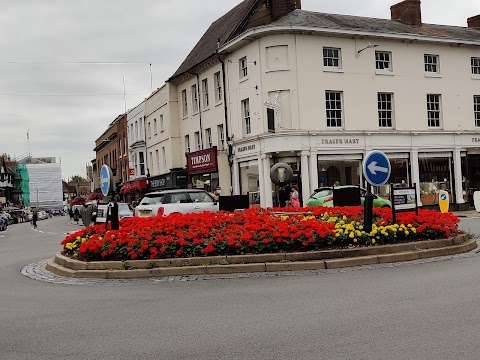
(271, 83)
(137, 152)
(165, 156)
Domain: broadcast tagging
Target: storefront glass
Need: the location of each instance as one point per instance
(470, 176)
(346, 169)
(249, 181)
(435, 174)
(399, 175)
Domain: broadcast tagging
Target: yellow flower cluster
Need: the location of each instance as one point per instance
(354, 230)
(75, 244)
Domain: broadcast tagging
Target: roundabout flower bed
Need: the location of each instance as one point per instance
(255, 231)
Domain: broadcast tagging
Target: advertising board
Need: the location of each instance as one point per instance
(404, 199)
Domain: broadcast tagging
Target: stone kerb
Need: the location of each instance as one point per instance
(312, 260)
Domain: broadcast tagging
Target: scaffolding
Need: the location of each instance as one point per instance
(21, 184)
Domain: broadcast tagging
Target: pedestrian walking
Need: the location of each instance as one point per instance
(34, 218)
(76, 215)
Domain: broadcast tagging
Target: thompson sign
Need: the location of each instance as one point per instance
(203, 161)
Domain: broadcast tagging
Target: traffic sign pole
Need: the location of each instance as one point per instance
(376, 169)
(368, 209)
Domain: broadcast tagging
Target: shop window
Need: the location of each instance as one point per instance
(249, 181)
(345, 169)
(435, 175)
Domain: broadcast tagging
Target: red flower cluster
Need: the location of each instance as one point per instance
(223, 233)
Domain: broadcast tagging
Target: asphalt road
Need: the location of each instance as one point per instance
(409, 311)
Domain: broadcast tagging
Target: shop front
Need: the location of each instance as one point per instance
(133, 191)
(176, 179)
(202, 169)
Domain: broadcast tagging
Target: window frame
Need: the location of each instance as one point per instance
(431, 111)
(184, 103)
(218, 87)
(476, 110)
(187, 144)
(243, 68)
(206, 100)
(194, 99)
(475, 65)
(161, 123)
(431, 67)
(327, 58)
(208, 136)
(329, 109)
(385, 114)
(379, 62)
(198, 145)
(247, 125)
(221, 137)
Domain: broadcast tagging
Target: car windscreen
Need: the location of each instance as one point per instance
(321, 193)
(123, 207)
(153, 199)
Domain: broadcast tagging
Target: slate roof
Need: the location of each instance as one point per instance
(230, 25)
(224, 29)
(380, 26)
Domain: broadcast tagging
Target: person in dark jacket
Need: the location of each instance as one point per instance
(34, 218)
(76, 215)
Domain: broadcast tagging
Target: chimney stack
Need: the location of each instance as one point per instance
(474, 22)
(407, 12)
(283, 7)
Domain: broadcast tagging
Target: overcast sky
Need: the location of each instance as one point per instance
(62, 63)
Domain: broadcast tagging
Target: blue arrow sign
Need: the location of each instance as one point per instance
(443, 196)
(105, 179)
(376, 168)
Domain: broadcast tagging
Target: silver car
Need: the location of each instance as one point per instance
(182, 201)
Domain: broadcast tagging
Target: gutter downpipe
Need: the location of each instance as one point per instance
(229, 144)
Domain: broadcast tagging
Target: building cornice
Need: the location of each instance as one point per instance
(258, 32)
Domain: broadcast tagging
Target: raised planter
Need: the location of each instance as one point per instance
(312, 260)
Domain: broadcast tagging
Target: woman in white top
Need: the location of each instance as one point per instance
(294, 197)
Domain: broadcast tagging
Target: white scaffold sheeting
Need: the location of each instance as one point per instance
(46, 186)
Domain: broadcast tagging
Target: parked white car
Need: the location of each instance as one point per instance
(181, 201)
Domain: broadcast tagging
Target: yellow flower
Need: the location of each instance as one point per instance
(373, 242)
(352, 235)
(354, 241)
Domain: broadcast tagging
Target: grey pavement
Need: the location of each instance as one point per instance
(424, 310)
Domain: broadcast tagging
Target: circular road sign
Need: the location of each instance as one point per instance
(105, 179)
(376, 168)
